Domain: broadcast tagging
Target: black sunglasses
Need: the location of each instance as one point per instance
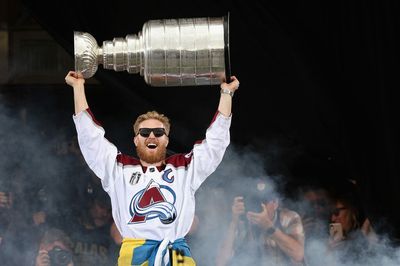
(336, 211)
(158, 132)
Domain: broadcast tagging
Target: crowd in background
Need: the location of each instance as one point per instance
(66, 220)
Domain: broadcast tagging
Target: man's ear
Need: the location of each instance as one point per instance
(135, 140)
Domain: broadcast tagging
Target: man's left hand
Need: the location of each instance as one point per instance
(232, 86)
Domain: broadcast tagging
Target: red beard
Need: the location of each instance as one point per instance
(151, 158)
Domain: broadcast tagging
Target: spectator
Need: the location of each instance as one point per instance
(273, 236)
(314, 207)
(116, 242)
(18, 232)
(90, 233)
(55, 249)
(348, 241)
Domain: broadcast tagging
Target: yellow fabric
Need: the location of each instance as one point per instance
(126, 251)
(179, 260)
(126, 254)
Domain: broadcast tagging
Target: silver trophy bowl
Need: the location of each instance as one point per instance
(167, 52)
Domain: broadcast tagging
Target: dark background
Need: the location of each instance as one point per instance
(318, 94)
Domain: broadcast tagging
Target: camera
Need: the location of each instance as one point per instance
(60, 257)
(252, 203)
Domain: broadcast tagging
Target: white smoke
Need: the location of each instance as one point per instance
(34, 171)
(27, 162)
(240, 167)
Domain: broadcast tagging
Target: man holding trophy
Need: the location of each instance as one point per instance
(152, 196)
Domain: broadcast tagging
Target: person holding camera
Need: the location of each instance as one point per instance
(352, 238)
(55, 249)
(268, 236)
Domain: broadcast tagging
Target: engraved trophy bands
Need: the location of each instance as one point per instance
(168, 52)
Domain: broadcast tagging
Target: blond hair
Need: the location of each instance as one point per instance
(152, 115)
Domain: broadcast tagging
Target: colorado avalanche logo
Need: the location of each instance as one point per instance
(152, 202)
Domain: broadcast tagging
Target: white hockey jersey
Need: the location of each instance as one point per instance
(155, 202)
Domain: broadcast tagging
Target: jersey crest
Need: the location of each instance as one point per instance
(155, 201)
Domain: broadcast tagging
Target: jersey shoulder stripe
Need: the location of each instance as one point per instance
(127, 160)
(179, 159)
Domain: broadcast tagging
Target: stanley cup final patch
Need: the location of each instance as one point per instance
(135, 178)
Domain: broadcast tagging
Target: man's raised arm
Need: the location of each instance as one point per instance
(227, 91)
(77, 82)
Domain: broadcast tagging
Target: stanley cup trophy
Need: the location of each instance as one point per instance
(167, 52)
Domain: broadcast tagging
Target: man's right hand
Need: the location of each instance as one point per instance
(77, 81)
(42, 258)
(74, 79)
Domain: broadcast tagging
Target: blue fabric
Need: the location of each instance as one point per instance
(148, 251)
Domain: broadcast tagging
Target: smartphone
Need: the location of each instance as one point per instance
(336, 231)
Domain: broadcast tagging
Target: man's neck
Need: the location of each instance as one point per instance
(146, 164)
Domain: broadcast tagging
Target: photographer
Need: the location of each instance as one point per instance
(269, 235)
(351, 236)
(54, 249)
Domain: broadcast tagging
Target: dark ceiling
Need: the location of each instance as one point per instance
(318, 81)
